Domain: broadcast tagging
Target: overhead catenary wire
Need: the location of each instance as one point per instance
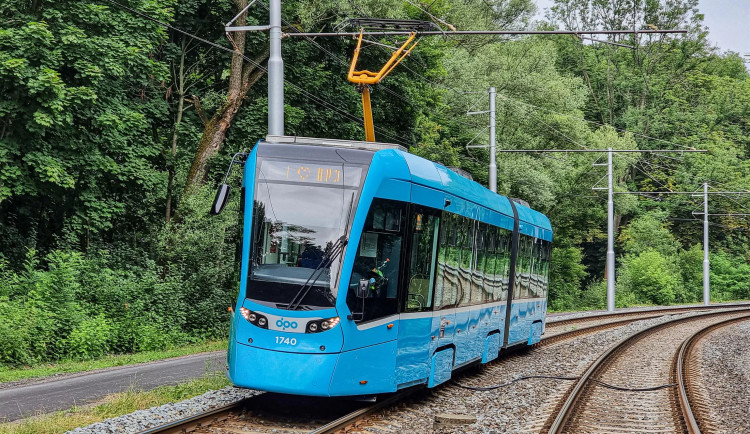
(259, 66)
(635, 164)
(490, 32)
(511, 99)
(381, 86)
(421, 77)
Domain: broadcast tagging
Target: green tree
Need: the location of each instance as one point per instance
(566, 278)
(651, 277)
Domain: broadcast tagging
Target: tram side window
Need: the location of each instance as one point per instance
(424, 246)
(440, 266)
(504, 249)
(447, 288)
(466, 247)
(521, 259)
(488, 269)
(545, 271)
(482, 294)
(526, 278)
(373, 288)
(535, 283)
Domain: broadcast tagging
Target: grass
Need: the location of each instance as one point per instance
(67, 367)
(117, 404)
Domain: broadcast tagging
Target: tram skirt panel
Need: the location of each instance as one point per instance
(491, 347)
(441, 367)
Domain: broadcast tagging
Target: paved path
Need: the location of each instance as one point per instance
(65, 392)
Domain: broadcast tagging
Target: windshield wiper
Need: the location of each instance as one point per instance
(333, 252)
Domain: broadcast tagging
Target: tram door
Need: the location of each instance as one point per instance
(414, 342)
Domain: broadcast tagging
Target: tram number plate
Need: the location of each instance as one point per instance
(286, 341)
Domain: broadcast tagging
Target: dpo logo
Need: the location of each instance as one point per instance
(285, 324)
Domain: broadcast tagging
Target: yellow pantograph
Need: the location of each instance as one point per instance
(366, 78)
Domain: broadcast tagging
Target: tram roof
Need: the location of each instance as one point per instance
(429, 174)
(337, 143)
(437, 176)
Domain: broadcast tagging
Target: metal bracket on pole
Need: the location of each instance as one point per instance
(492, 170)
(226, 26)
(247, 28)
(275, 63)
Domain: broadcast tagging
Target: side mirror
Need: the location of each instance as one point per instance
(220, 201)
(363, 288)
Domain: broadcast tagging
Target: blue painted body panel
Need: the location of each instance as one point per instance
(375, 364)
(414, 348)
(401, 350)
(277, 371)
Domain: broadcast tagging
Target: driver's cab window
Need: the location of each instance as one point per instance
(373, 288)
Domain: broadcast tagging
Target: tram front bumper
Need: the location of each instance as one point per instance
(281, 372)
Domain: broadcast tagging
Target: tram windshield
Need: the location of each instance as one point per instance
(300, 214)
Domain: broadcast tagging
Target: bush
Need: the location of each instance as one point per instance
(15, 334)
(594, 296)
(566, 275)
(156, 337)
(691, 269)
(650, 277)
(649, 232)
(729, 277)
(92, 338)
(198, 253)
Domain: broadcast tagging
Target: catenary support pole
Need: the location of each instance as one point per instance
(275, 73)
(706, 275)
(610, 237)
(493, 164)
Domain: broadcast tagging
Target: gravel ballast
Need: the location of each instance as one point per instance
(724, 375)
(155, 416)
(520, 407)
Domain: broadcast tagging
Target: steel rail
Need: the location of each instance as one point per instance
(586, 330)
(198, 420)
(567, 409)
(663, 311)
(349, 419)
(691, 422)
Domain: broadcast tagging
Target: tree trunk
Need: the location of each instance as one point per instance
(242, 77)
(173, 150)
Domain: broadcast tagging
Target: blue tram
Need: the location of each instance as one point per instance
(366, 270)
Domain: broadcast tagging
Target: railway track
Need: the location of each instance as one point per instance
(605, 316)
(280, 414)
(259, 413)
(643, 383)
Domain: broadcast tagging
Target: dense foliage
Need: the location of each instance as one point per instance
(103, 249)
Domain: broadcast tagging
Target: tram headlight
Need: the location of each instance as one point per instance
(254, 318)
(246, 313)
(322, 325)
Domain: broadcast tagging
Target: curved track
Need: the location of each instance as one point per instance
(695, 406)
(604, 316)
(645, 367)
(257, 414)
